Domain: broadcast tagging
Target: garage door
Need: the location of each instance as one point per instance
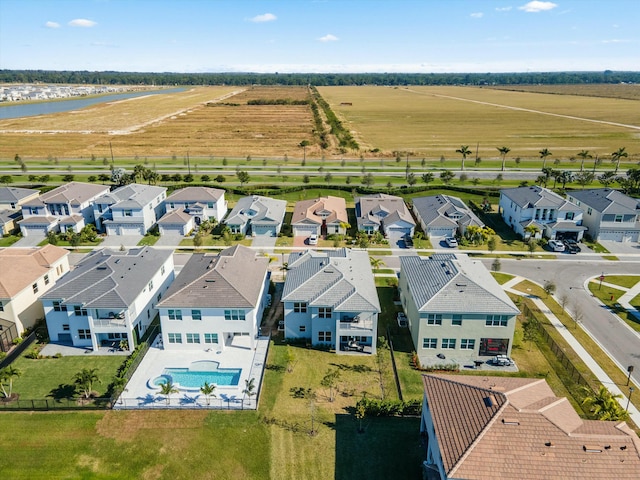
(441, 232)
(612, 235)
(32, 230)
(264, 231)
(65, 338)
(399, 231)
(304, 231)
(171, 230)
(131, 230)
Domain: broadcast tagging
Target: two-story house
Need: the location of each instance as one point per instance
(216, 301)
(257, 216)
(608, 214)
(330, 299)
(11, 200)
(25, 275)
(129, 210)
(456, 310)
(551, 215)
(386, 214)
(67, 207)
(199, 203)
(108, 297)
(444, 215)
(322, 216)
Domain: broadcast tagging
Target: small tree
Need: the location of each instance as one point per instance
(361, 413)
(368, 180)
(198, 240)
(496, 265)
(531, 246)
(207, 390)
(85, 379)
(464, 151)
(603, 404)
(6, 179)
(549, 287)
(167, 389)
(427, 178)
(503, 152)
(491, 244)
(290, 358)
(330, 381)
(529, 331)
(7, 375)
(446, 176)
(249, 387)
(578, 314)
(243, 177)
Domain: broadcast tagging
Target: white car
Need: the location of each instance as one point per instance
(313, 239)
(556, 245)
(451, 242)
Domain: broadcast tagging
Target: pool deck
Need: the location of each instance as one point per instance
(139, 395)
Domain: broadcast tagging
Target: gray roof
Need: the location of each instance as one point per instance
(448, 283)
(109, 278)
(232, 279)
(7, 216)
(196, 194)
(607, 200)
(133, 195)
(537, 197)
(15, 194)
(259, 210)
(378, 208)
(175, 217)
(445, 211)
(340, 279)
(73, 193)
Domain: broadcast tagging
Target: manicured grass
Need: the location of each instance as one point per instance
(149, 240)
(626, 281)
(596, 247)
(214, 241)
(501, 278)
(610, 296)
(9, 240)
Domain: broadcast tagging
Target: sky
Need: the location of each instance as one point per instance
(320, 36)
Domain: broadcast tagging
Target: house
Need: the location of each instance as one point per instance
(330, 299)
(444, 215)
(202, 203)
(25, 275)
(455, 309)
(67, 207)
(322, 216)
(386, 214)
(479, 427)
(129, 210)
(176, 222)
(550, 214)
(11, 200)
(256, 216)
(608, 214)
(216, 301)
(108, 297)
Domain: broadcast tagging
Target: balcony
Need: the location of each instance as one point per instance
(109, 323)
(360, 322)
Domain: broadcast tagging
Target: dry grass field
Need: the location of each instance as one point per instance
(435, 121)
(616, 90)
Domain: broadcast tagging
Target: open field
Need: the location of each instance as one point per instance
(435, 121)
(609, 90)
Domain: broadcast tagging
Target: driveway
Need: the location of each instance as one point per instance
(117, 240)
(29, 241)
(169, 240)
(621, 247)
(264, 241)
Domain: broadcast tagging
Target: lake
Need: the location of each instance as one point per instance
(43, 108)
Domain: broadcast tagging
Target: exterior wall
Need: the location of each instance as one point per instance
(512, 214)
(239, 227)
(218, 210)
(598, 223)
(293, 322)
(428, 433)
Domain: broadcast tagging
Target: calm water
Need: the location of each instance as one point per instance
(192, 379)
(44, 108)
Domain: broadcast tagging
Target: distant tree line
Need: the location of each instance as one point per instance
(318, 79)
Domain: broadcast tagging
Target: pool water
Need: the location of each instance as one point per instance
(185, 377)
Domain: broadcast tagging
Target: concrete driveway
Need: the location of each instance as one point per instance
(169, 240)
(264, 241)
(117, 240)
(29, 241)
(621, 247)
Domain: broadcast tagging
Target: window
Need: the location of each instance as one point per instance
(210, 205)
(78, 311)
(127, 213)
(456, 320)
(58, 306)
(429, 343)
(193, 338)
(35, 287)
(84, 334)
(497, 320)
(618, 219)
(100, 208)
(175, 314)
(162, 269)
(175, 337)
(172, 205)
(1, 307)
(159, 297)
(210, 338)
(234, 315)
(196, 315)
(46, 279)
(324, 336)
(302, 328)
(569, 216)
(299, 307)
(117, 336)
(589, 211)
(434, 319)
(151, 285)
(65, 327)
(324, 312)
(467, 344)
(449, 343)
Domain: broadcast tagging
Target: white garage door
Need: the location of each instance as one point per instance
(34, 230)
(441, 232)
(131, 230)
(611, 235)
(264, 231)
(171, 230)
(399, 231)
(304, 231)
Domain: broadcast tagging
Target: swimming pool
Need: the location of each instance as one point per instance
(197, 374)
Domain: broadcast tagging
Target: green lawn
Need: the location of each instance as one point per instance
(215, 241)
(610, 296)
(9, 240)
(149, 240)
(626, 281)
(501, 278)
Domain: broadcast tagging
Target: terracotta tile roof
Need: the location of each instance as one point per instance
(528, 434)
(21, 267)
(305, 210)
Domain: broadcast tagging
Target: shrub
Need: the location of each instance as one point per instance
(34, 354)
(389, 408)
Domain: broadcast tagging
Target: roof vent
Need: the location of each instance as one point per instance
(461, 284)
(549, 444)
(592, 448)
(209, 280)
(490, 401)
(328, 270)
(510, 421)
(102, 267)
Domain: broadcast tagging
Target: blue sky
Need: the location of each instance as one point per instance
(320, 35)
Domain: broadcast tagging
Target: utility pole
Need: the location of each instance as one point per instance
(188, 163)
(111, 149)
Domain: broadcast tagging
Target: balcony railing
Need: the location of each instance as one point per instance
(357, 322)
(109, 322)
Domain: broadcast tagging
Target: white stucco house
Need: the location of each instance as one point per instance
(67, 207)
(109, 296)
(201, 203)
(216, 301)
(444, 215)
(330, 299)
(11, 200)
(25, 275)
(384, 213)
(553, 216)
(129, 210)
(257, 216)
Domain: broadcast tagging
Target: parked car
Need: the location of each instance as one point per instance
(281, 326)
(501, 361)
(408, 242)
(451, 242)
(556, 246)
(313, 239)
(402, 320)
(268, 299)
(572, 246)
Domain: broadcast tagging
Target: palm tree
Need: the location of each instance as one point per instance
(167, 389)
(603, 404)
(207, 390)
(85, 379)
(376, 262)
(464, 151)
(8, 374)
(617, 155)
(544, 153)
(249, 387)
(584, 154)
(285, 269)
(304, 144)
(503, 151)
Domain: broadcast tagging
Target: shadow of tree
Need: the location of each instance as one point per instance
(358, 368)
(62, 391)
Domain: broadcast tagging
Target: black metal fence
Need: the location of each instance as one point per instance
(7, 336)
(17, 351)
(45, 404)
(393, 364)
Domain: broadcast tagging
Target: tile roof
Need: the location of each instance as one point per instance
(374, 209)
(444, 211)
(607, 199)
(448, 283)
(21, 267)
(109, 278)
(196, 194)
(73, 193)
(538, 197)
(340, 279)
(15, 194)
(232, 279)
(175, 217)
(257, 209)
(133, 195)
(523, 433)
(306, 211)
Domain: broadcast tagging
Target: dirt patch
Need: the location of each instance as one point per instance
(87, 461)
(125, 426)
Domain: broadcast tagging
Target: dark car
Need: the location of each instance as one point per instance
(571, 246)
(408, 242)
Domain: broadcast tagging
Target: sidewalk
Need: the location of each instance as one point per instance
(634, 414)
(629, 295)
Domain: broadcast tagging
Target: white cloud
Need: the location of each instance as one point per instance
(52, 25)
(82, 22)
(477, 15)
(328, 38)
(615, 40)
(537, 6)
(503, 9)
(265, 17)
